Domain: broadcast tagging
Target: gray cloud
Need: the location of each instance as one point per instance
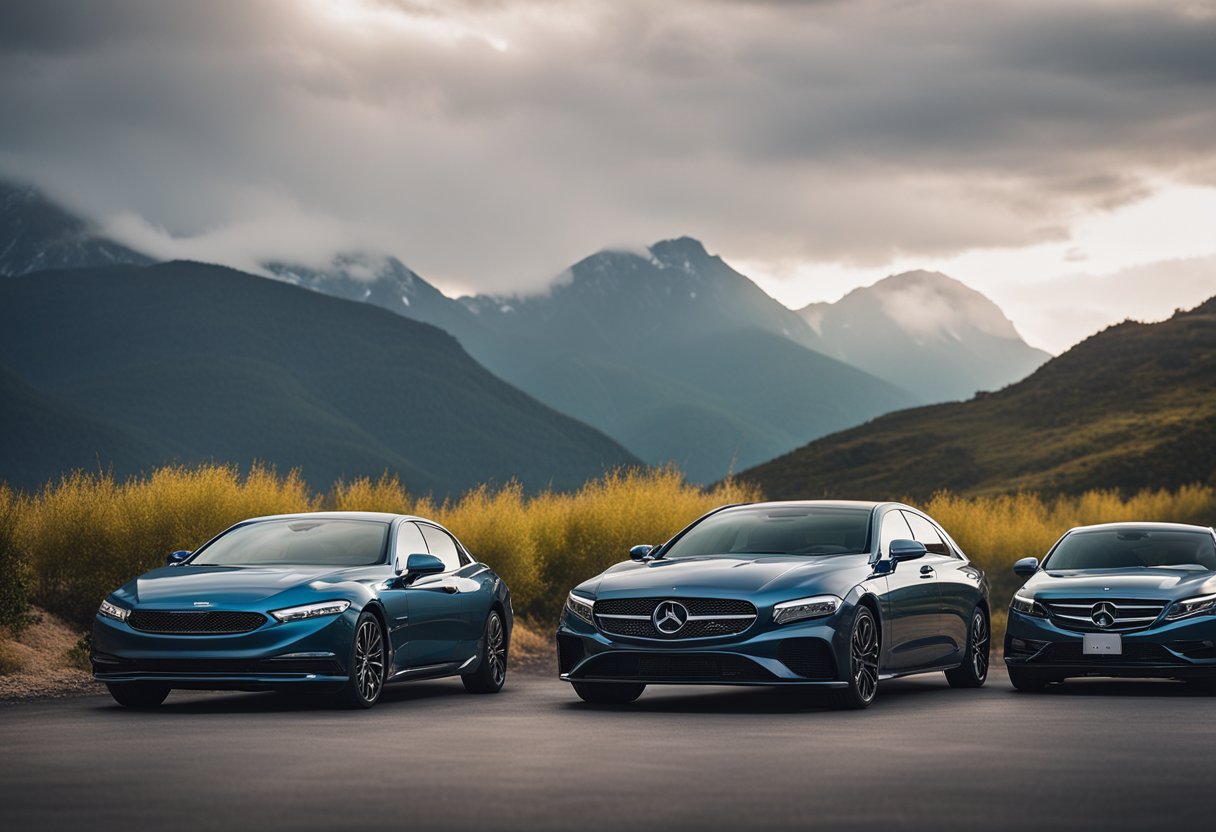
(839, 131)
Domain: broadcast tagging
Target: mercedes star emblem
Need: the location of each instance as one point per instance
(1104, 614)
(670, 617)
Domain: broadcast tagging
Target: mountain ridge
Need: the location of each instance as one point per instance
(927, 332)
(210, 363)
(1129, 408)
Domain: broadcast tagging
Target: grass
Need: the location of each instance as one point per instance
(10, 659)
(72, 542)
(996, 531)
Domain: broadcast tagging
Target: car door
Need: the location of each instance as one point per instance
(439, 604)
(396, 598)
(911, 608)
(952, 621)
(958, 583)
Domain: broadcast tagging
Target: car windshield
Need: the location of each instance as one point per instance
(1134, 548)
(305, 542)
(777, 531)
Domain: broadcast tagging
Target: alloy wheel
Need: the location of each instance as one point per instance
(979, 645)
(369, 660)
(496, 650)
(864, 650)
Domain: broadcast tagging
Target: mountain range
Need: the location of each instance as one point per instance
(927, 333)
(203, 363)
(681, 358)
(1131, 407)
(668, 350)
(36, 234)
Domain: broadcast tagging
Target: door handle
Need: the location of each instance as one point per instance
(926, 571)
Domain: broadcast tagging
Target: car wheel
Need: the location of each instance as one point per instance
(610, 693)
(366, 664)
(138, 694)
(864, 648)
(491, 672)
(1028, 681)
(973, 672)
(1204, 687)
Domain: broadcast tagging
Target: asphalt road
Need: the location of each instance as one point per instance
(1094, 755)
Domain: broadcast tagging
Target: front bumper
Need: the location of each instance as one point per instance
(1183, 649)
(806, 653)
(275, 655)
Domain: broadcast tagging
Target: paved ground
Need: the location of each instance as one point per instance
(1096, 754)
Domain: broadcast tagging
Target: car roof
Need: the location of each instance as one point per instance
(1174, 527)
(866, 504)
(381, 516)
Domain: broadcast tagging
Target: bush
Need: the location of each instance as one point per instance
(87, 534)
(543, 545)
(77, 539)
(996, 531)
(14, 571)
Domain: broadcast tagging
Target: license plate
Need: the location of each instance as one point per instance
(1103, 644)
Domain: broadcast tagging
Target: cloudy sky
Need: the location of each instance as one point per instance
(1058, 155)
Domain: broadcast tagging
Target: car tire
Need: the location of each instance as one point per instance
(491, 672)
(1028, 681)
(973, 672)
(865, 647)
(138, 695)
(367, 664)
(609, 693)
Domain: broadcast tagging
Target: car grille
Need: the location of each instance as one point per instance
(191, 622)
(707, 617)
(1073, 652)
(1127, 614)
(810, 658)
(217, 667)
(674, 666)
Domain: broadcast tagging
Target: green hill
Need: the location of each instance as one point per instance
(43, 434)
(1131, 407)
(207, 363)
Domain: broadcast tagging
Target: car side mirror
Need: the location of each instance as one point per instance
(901, 550)
(1026, 567)
(419, 565)
(641, 551)
(177, 557)
(884, 566)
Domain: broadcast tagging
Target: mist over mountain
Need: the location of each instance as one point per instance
(679, 357)
(206, 363)
(1132, 407)
(668, 350)
(36, 234)
(382, 281)
(926, 332)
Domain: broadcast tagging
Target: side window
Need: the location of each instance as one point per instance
(925, 533)
(442, 546)
(409, 542)
(894, 527)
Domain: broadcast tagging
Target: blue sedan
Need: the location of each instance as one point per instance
(339, 601)
(831, 595)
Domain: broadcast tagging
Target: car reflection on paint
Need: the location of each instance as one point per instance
(329, 601)
(835, 596)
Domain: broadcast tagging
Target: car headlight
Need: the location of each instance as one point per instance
(311, 610)
(1203, 605)
(580, 607)
(1027, 606)
(803, 608)
(113, 611)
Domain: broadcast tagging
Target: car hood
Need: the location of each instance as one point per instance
(1155, 583)
(731, 576)
(222, 586)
